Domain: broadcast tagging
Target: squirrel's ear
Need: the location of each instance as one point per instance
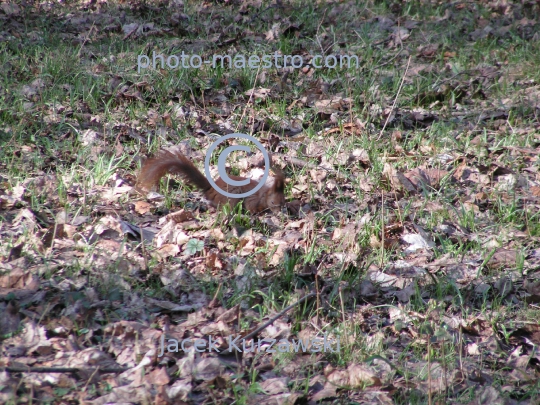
(279, 180)
(279, 184)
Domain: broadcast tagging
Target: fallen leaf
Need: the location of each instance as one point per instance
(142, 207)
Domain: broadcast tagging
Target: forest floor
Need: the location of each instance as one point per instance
(412, 229)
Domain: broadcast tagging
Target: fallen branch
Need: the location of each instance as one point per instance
(61, 369)
(395, 100)
(275, 318)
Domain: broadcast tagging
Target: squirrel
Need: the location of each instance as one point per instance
(268, 197)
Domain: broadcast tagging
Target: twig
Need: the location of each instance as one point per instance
(444, 370)
(302, 163)
(249, 99)
(272, 320)
(523, 150)
(342, 306)
(395, 99)
(239, 358)
(145, 259)
(90, 379)
(257, 15)
(397, 203)
(88, 37)
(61, 369)
(388, 61)
(382, 227)
(214, 300)
(317, 33)
(460, 350)
(318, 304)
(429, 368)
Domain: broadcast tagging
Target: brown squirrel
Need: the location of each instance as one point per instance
(268, 197)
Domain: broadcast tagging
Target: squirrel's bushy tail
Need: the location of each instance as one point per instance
(174, 163)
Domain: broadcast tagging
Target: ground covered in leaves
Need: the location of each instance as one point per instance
(412, 227)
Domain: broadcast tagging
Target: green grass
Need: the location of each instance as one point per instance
(57, 87)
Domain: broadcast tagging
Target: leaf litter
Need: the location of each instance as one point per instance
(421, 248)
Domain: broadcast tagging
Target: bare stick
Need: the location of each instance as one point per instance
(143, 249)
(90, 379)
(272, 320)
(318, 301)
(395, 100)
(342, 306)
(61, 369)
(249, 100)
(382, 228)
(429, 368)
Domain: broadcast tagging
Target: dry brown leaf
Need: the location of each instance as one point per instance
(180, 216)
(180, 389)
(19, 283)
(274, 386)
(168, 250)
(421, 177)
(159, 376)
(391, 175)
(207, 369)
(323, 390)
(503, 257)
(361, 376)
(213, 261)
(279, 254)
(332, 105)
(142, 207)
(258, 93)
(126, 394)
(355, 376)
(347, 237)
(10, 9)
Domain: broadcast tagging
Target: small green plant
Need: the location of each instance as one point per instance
(194, 246)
